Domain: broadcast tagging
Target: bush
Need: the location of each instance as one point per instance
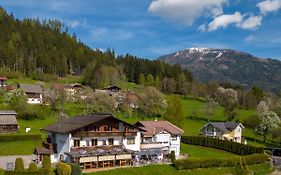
(46, 163)
(19, 166)
(19, 137)
(233, 147)
(191, 163)
(32, 167)
(173, 157)
(75, 169)
(251, 122)
(63, 169)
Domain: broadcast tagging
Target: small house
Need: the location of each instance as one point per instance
(8, 122)
(33, 92)
(160, 136)
(111, 89)
(231, 131)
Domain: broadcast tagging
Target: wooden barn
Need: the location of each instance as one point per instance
(8, 122)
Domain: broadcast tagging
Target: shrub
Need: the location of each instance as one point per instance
(75, 169)
(236, 148)
(191, 163)
(46, 164)
(173, 157)
(19, 166)
(19, 137)
(63, 169)
(32, 167)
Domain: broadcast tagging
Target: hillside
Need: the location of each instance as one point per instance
(226, 65)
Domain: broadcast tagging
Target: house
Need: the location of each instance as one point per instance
(3, 82)
(34, 93)
(100, 140)
(160, 135)
(72, 89)
(111, 89)
(224, 130)
(8, 122)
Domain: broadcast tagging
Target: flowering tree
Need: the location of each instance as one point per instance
(269, 120)
(228, 98)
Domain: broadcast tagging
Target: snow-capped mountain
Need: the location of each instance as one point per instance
(226, 65)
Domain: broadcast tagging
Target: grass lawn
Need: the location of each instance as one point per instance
(262, 169)
(19, 147)
(204, 152)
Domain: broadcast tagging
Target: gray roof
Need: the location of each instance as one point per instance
(224, 126)
(8, 120)
(8, 112)
(31, 88)
(75, 123)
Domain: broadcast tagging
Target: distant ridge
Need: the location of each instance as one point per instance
(227, 65)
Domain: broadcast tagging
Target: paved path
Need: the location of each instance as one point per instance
(27, 159)
(277, 165)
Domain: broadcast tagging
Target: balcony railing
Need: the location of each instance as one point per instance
(50, 146)
(210, 133)
(103, 133)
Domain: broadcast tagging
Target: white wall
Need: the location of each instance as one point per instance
(134, 147)
(175, 145)
(63, 145)
(35, 100)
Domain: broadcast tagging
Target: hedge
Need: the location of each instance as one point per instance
(191, 163)
(233, 147)
(19, 137)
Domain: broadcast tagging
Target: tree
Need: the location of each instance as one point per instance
(19, 166)
(141, 79)
(269, 120)
(228, 98)
(174, 111)
(182, 84)
(32, 167)
(168, 85)
(17, 100)
(157, 82)
(151, 101)
(209, 109)
(149, 80)
(63, 169)
(46, 163)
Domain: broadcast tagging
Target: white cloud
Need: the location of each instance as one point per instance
(249, 38)
(202, 28)
(225, 20)
(253, 22)
(269, 6)
(76, 23)
(186, 11)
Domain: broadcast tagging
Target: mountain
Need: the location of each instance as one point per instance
(228, 66)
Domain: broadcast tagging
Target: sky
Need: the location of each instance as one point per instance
(151, 28)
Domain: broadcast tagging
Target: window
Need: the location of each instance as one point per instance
(87, 143)
(109, 128)
(174, 138)
(103, 142)
(130, 141)
(76, 143)
(105, 128)
(94, 142)
(110, 141)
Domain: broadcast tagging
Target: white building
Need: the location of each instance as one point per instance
(102, 140)
(224, 130)
(34, 93)
(160, 135)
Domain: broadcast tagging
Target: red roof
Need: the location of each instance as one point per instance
(3, 78)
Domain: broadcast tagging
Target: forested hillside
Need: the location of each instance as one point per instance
(32, 48)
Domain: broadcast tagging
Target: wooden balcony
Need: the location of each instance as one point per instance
(103, 133)
(50, 146)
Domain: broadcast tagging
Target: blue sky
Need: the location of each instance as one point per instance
(151, 28)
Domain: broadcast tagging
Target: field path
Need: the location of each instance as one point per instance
(277, 165)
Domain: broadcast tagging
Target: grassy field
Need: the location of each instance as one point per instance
(204, 152)
(262, 169)
(19, 147)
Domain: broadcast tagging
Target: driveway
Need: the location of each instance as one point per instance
(27, 159)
